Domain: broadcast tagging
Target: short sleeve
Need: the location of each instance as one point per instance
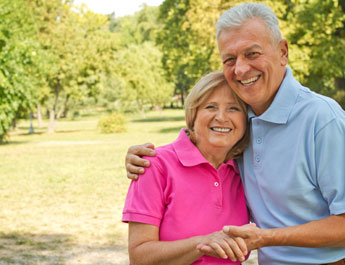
(330, 163)
(145, 198)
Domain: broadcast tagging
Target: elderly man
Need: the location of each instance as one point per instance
(293, 170)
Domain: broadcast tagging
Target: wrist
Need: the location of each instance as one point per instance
(267, 238)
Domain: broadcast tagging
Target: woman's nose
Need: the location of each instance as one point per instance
(221, 115)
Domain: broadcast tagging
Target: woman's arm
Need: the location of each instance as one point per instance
(145, 248)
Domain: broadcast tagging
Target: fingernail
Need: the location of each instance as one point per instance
(146, 164)
(141, 170)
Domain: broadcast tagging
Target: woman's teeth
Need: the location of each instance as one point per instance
(221, 129)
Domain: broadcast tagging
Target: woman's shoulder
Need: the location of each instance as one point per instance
(164, 154)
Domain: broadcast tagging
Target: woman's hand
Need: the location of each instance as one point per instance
(220, 245)
(134, 163)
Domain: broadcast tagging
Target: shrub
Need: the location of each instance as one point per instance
(113, 123)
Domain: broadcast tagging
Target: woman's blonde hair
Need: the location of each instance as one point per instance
(198, 94)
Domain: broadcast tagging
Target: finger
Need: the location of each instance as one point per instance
(236, 252)
(233, 231)
(142, 150)
(226, 229)
(220, 252)
(137, 161)
(242, 245)
(132, 169)
(149, 145)
(132, 176)
(207, 250)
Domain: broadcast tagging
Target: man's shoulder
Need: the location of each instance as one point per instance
(318, 104)
(318, 110)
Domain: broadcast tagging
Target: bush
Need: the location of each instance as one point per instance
(113, 123)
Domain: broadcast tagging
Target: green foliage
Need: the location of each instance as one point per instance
(113, 123)
(19, 62)
(317, 38)
(61, 56)
(142, 77)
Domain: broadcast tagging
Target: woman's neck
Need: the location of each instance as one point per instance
(216, 156)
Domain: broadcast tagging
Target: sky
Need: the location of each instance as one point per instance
(120, 7)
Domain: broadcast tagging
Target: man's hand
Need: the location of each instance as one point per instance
(134, 163)
(220, 245)
(251, 234)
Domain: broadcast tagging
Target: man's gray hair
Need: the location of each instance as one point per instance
(238, 15)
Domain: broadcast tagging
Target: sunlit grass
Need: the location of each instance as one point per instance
(65, 191)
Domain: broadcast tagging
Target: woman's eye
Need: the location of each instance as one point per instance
(209, 107)
(234, 109)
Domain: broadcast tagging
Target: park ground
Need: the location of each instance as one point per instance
(61, 194)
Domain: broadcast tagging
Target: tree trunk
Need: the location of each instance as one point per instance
(52, 123)
(63, 111)
(39, 115)
(14, 125)
(339, 83)
(51, 126)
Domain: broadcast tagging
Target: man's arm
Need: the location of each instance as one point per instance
(134, 163)
(326, 232)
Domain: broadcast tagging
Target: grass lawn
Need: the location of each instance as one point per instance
(61, 194)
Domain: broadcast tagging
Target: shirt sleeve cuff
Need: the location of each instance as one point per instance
(141, 218)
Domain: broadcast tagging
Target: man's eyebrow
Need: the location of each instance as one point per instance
(226, 55)
(255, 46)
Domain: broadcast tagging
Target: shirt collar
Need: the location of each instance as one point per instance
(282, 105)
(189, 155)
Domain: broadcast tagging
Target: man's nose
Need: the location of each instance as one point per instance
(241, 67)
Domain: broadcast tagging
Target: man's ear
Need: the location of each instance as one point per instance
(284, 52)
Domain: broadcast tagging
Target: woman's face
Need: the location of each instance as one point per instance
(220, 122)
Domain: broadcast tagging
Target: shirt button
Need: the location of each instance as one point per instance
(259, 140)
(257, 159)
(216, 184)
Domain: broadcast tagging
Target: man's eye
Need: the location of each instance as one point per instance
(253, 54)
(229, 61)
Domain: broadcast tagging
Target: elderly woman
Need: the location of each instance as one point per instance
(194, 172)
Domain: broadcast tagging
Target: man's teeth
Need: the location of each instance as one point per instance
(221, 129)
(249, 81)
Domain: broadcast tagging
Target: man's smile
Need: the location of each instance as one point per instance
(249, 81)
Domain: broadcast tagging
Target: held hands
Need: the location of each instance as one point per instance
(250, 233)
(220, 245)
(238, 241)
(134, 163)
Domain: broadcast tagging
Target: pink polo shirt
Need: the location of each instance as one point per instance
(185, 196)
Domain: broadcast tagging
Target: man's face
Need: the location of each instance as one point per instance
(254, 65)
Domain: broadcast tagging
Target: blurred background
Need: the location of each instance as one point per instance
(81, 81)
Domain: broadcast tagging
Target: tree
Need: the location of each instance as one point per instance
(80, 48)
(318, 41)
(141, 74)
(20, 55)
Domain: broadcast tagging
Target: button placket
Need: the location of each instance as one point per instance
(217, 187)
(257, 142)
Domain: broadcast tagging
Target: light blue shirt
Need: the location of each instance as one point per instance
(294, 168)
